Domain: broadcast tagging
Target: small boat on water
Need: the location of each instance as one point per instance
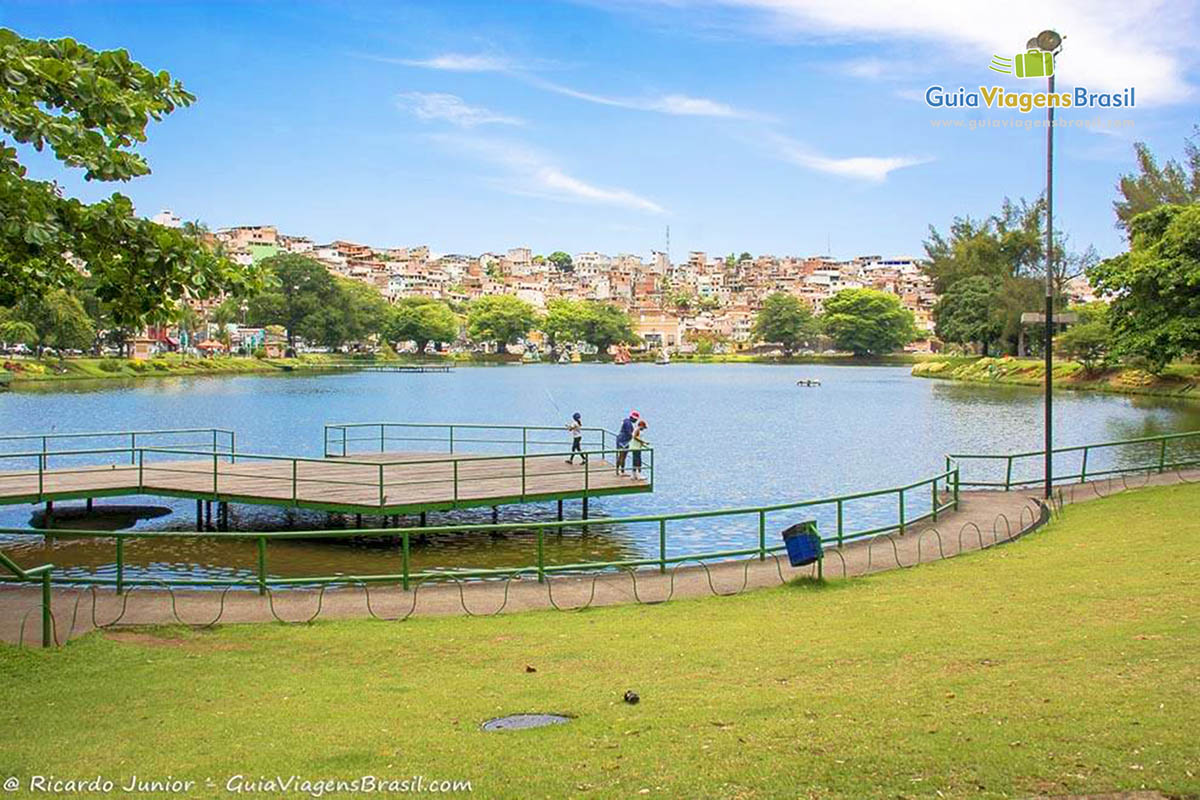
(530, 357)
(663, 358)
(621, 357)
(564, 358)
(808, 382)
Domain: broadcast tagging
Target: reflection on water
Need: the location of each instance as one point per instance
(724, 435)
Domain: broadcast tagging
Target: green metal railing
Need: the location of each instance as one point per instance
(942, 489)
(41, 574)
(215, 439)
(1150, 454)
(375, 437)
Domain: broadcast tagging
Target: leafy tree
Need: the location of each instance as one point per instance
(563, 321)
(302, 297)
(1155, 287)
(502, 319)
(562, 260)
(868, 322)
(1173, 183)
(58, 321)
(1086, 342)
(971, 310)
(745, 257)
(605, 325)
(364, 311)
(91, 110)
(16, 331)
(785, 320)
(421, 320)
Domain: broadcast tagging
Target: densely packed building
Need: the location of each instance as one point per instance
(670, 303)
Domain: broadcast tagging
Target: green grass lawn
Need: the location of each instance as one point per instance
(1063, 663)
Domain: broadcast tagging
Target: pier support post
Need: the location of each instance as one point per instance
(358, 520)
(199, 515)
(49, 515)
(208, 514)
(224, 512)
(585, 508)
(495, 514)
(89, 504)
(424, 519)
(560, 513)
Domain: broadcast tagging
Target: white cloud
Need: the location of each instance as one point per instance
(874, 169)
(675, 104)
(460, 62)
(451, 108)
(532, 173)
(1110, 44)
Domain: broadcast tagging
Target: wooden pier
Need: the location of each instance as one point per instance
(417, 368)
(390, 481)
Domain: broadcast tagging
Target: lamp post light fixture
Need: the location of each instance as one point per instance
(1050, 42)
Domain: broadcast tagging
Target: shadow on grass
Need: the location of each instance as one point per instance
(808, 583)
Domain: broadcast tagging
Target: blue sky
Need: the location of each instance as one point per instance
(774, 126)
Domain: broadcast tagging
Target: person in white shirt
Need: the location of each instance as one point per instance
(575, 426)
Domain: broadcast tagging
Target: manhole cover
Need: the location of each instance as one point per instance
(518, 721)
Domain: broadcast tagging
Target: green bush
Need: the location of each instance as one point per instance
(111, 364)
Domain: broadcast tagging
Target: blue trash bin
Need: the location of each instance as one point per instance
(803, 543)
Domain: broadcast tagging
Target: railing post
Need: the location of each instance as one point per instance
(344, 449)
(295, 470)
(120, 564)
(956, 469)
(216, 486)
(262, 565)
(232, 447)
(839, 521)
(404, 560)
(214, 433)
(381, 495)
(47, 612)
(524, 440)
(762, 535)
(381, 437)
(41, 478)
(541, 555)
(1008, 475)
(522, 477)
(1083, 466)
(451, 438)
(455, 463)
(132, 446)
(43, 458)
(900, 494)
(933, 492)
(141, 469)
(1162, 456)
(662, 546)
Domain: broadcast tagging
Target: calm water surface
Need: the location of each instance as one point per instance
(725, 435)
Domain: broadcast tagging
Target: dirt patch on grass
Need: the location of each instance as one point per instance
(1140, 794)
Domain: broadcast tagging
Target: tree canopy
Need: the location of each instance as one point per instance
(91, 110)
(785, 320)
(1154, 288)
(868, 322)
(972, 310)
(502, 319)
(1173, 183)
(421, 320)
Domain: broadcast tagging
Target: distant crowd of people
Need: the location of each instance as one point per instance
(630, 438)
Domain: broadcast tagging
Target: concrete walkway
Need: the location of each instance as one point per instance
(984, 519)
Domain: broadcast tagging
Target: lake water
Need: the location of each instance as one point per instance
(724, 435)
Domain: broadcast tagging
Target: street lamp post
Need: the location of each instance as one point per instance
(1049, 41)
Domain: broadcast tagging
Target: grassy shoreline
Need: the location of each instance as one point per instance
(30, 371)
(1178, 380)
(1053, 666)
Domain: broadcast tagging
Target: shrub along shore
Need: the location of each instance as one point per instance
(1177, 380)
